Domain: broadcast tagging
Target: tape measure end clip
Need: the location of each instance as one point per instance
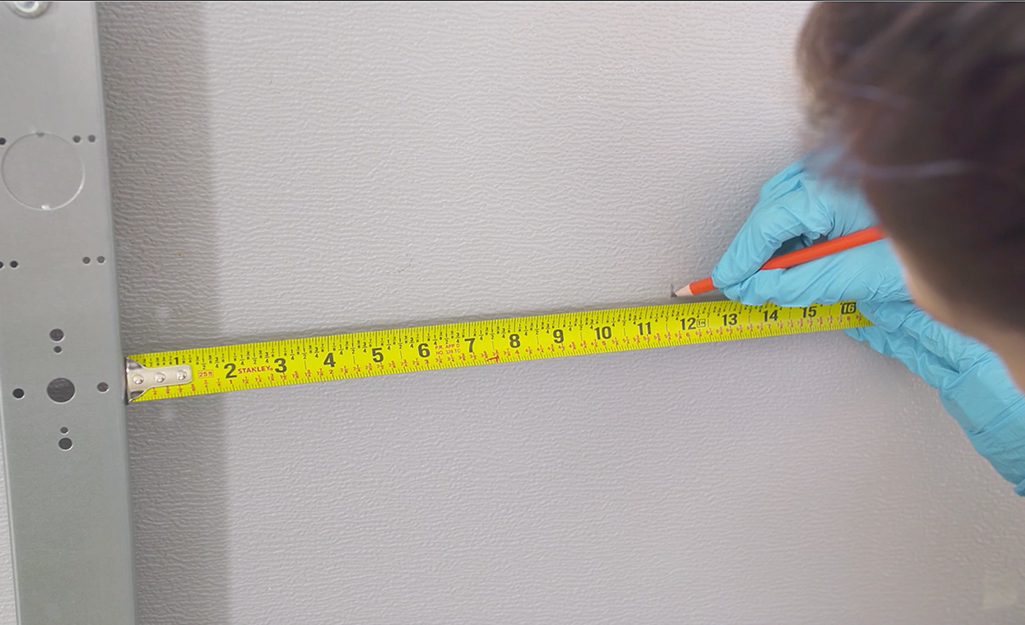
(139, 379)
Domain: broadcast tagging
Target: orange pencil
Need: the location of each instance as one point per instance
(797, 257)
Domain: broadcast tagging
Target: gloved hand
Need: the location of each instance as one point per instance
(973, 383)
(795, 208)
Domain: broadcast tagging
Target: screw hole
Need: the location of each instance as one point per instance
(76, 139)
(102, 387)
(56, 334)
(1, 265)
(101, 259)
(14, 264)
(85, 261)
(64, 430)
(92, 138)
(18, 393)
(60, 390)
(57, 349)
(2, 141)
(64, 443)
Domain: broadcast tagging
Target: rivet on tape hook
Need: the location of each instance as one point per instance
(139, 379)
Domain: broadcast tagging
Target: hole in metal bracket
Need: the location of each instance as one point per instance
(64, 430)
(86, 260)
(2, 141)
(102, 387)
(60, 390)
(18, 393)
(57, 349)
(14, 264)
(65, 443)
(56, 335)
(101, 259)
(76, 139)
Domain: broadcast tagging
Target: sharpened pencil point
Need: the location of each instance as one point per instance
(683, 292)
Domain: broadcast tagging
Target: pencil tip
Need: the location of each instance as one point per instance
(683, 292)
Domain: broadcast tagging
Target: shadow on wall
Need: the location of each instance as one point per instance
(155, 85)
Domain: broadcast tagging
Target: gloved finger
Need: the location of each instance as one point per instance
(982, 396)
(961, 351)
(771, 223)
(974, 384)
(957, 348)
(889, 316)
(937, 372)
(855, 274)
(980, 399)
(782, 183)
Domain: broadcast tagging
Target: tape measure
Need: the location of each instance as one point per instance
(206, 370)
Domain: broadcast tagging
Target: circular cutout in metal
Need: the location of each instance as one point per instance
(43, 171)
(60, 390)
(29, 8)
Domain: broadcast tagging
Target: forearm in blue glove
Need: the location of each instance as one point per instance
(972, 381)
(794, 209)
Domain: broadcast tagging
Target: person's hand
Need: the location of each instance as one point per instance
(794, 209)
(973, 383)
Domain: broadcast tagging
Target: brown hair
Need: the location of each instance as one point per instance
(925, 104)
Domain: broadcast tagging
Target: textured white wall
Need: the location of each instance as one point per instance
(292, 169)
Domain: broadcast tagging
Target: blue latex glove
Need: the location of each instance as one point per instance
(973, 383)
(795, 208)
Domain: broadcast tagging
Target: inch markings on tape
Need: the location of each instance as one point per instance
(209, 370)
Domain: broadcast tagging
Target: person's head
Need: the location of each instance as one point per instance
(925, 103)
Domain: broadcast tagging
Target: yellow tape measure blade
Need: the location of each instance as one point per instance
(426, 348)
